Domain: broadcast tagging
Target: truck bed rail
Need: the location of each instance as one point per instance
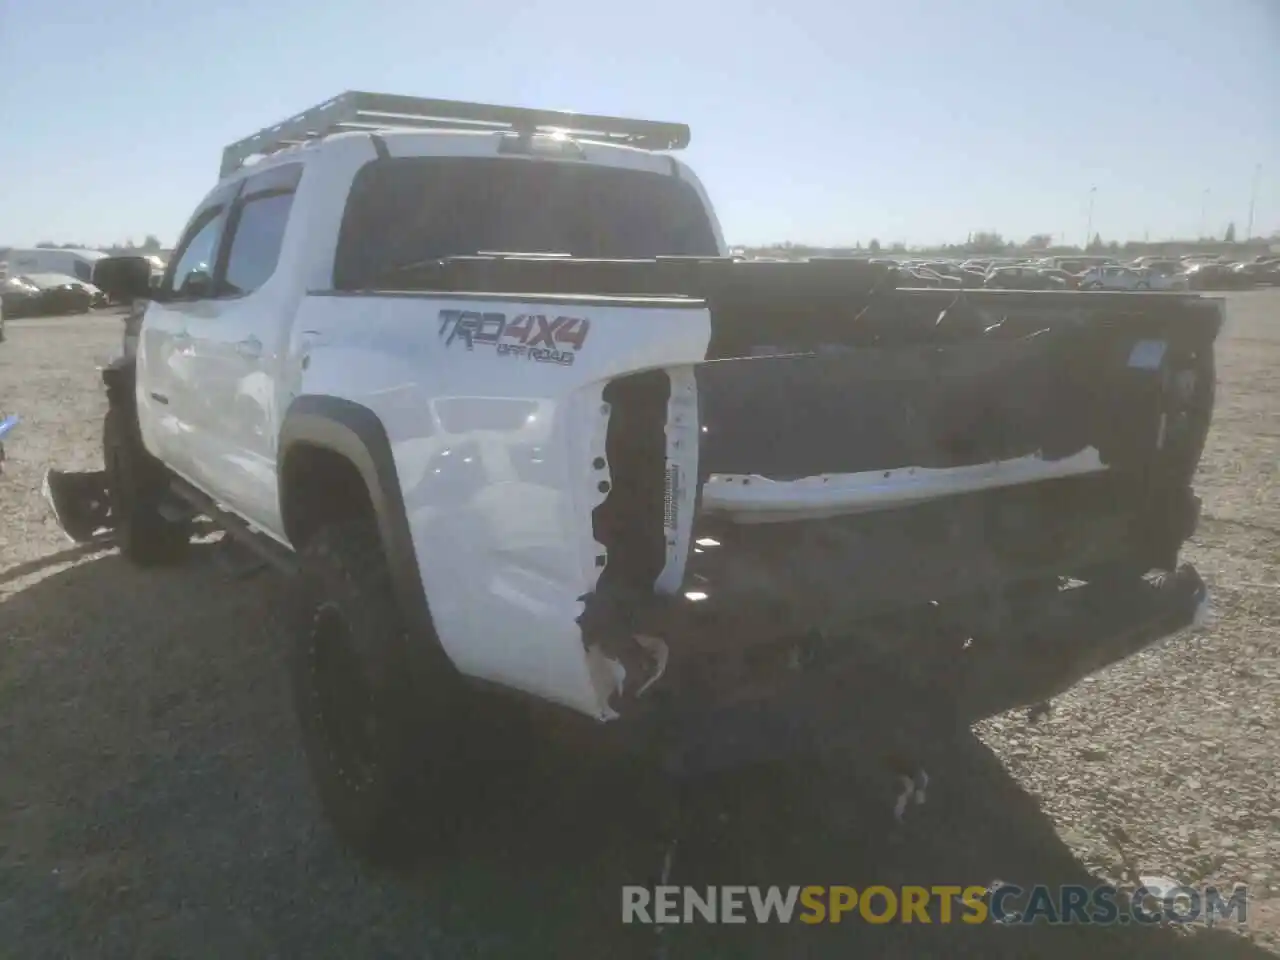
(790, 304)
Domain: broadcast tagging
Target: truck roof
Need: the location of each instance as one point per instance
(359, 111)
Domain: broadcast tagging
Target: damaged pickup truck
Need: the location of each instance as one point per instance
(484, 380)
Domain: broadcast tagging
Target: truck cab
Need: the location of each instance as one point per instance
(218, 352)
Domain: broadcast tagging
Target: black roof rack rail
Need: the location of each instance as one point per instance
(358, 110)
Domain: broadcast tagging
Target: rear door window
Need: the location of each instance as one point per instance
(255, 229)
(255, 245)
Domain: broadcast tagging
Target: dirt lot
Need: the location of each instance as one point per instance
(153, 801)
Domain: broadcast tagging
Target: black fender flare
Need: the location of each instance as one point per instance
(355, 433)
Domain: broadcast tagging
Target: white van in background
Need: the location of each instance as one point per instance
(73, 263)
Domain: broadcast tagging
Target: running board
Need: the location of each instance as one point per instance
(262, 546)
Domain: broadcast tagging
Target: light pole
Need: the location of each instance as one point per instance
(1253, 200)
(1088, 226)
(1204, 210)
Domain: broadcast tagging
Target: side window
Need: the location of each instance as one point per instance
(256, 238)
(82, 270)
(190, 275)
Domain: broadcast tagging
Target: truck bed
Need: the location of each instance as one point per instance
(732, 455)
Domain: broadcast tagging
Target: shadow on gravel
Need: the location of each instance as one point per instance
(155, 804)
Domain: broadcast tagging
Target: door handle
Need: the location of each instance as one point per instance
(314, 338)
(250, 347)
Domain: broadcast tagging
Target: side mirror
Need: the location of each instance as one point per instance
(123, 279)
(196, 285)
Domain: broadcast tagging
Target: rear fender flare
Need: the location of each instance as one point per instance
(355, 433)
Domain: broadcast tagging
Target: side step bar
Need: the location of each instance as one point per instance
(266, 549)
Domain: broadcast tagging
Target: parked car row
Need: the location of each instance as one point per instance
(45, 294)
(1233, 276)
(1091, 273)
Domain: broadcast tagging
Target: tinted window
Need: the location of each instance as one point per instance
(82, 270)
(407, 209)
(197, 256)
(255, 242)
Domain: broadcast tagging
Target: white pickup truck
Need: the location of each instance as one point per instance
(484, 380)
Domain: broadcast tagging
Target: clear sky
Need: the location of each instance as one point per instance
(824, 121)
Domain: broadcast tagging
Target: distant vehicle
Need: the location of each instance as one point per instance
(1022, 278)
(74, 263)
(1262, 272)
(931, 277)
(1069, 279)
(45, 294)
(18, 297)
(1114, 278)
(1193, 259)
(1253, 274)
(1215, 276)
(1079, 264)
(916, 277)
(1165, 279)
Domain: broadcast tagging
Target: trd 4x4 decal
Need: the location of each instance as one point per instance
(531, 335)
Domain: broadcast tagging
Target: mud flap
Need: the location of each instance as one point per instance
(79, 503)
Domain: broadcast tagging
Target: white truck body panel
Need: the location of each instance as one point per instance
(503, 556)
(494, 455)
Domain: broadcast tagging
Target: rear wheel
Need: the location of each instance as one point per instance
(396, 758)
(136, 486)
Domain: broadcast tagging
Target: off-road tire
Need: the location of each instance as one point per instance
(398, 754)
(136, 487)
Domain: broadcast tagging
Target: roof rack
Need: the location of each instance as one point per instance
(357, 110)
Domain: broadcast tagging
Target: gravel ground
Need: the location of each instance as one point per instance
(154, 802)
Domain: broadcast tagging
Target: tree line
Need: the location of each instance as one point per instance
(151, 244)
